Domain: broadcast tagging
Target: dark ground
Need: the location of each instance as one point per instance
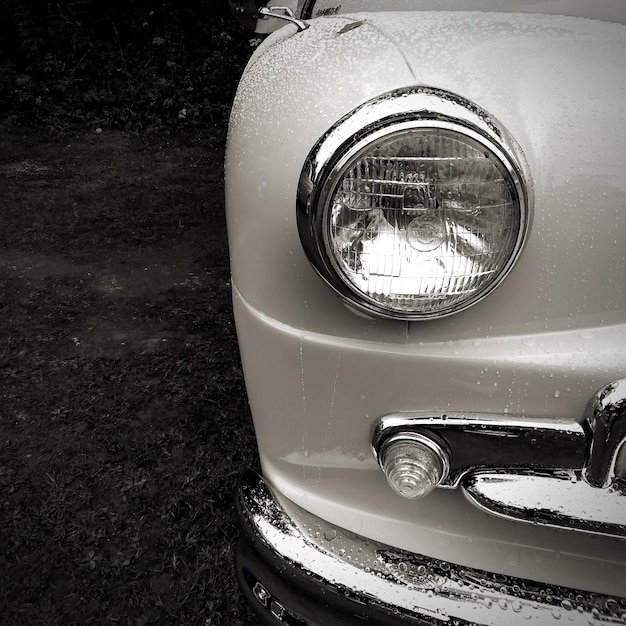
(123, 417)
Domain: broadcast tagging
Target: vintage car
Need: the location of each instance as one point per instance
(426, 205)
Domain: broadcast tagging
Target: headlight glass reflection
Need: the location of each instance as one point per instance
(422, 221)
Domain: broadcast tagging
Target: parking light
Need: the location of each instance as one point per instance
(413, 464)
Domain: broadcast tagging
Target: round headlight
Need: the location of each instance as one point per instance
(414, 206)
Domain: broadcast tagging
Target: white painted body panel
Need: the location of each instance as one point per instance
(319, 375)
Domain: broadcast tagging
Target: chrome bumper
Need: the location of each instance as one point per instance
(295, 568)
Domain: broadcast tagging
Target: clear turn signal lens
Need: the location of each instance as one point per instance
(414, 465)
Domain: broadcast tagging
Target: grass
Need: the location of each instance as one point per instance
(123, 417)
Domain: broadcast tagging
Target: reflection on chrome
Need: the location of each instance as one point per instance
(606, 415)
(369, 580)
(549, 471)
(562, 500)
(479, 442)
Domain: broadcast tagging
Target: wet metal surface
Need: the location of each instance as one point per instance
(404, 587)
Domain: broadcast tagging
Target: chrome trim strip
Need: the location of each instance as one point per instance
(348, 578)
(282, 13)
(563, 501)
(488, 441)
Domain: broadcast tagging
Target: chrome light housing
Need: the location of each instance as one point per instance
(414, 206)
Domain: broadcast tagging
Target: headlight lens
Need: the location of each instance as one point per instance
(416, 216)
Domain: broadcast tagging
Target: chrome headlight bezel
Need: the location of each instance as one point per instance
(417, 109)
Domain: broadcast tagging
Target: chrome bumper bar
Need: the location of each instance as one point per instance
(296, 569)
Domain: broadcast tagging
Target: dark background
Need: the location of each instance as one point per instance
(124, 422)
(130, 64)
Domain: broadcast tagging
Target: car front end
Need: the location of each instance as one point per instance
(427, 228)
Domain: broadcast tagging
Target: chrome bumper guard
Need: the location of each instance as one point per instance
(297, 569)
(556, 472)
